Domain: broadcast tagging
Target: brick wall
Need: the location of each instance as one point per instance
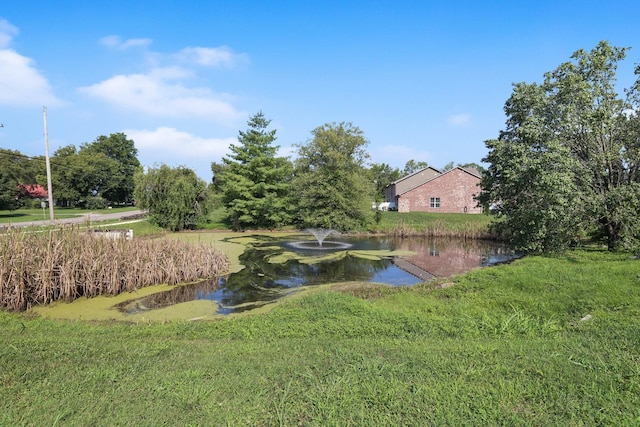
(455, 189)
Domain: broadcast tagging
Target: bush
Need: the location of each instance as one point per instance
(96, 202)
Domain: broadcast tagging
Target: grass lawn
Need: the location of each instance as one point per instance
(505, 346)
(24, 215)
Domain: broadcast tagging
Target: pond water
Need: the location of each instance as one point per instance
(276, 267)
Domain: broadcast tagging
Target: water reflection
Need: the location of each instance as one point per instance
(261, 281)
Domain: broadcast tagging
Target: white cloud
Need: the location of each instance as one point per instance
(459, 119)
(170, 144)
(157, 94)
(117, 43)
(211, 56)
(163, 91)
(22, 84)
(7, 33)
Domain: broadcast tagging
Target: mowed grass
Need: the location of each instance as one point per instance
(504, 346)
(27, 215)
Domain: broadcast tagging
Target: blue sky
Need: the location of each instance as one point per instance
(424, 80)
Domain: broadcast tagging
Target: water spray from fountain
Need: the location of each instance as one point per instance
(320, 233)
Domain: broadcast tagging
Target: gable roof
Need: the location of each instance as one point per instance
(414, 173)
(470, 171)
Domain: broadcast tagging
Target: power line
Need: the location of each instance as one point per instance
(4, 151)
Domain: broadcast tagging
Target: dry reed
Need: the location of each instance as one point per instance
(65, 264)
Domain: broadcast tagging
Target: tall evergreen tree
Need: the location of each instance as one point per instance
(253, 180)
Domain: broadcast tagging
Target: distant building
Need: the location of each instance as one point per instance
(429, 190)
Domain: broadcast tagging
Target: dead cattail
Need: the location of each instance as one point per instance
(67, 263)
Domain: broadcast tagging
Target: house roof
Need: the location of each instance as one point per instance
(414, 173)
(470, 171)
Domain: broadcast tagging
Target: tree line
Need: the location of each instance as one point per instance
(331, 183)
(93, 175)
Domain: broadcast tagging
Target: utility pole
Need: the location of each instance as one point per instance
(46, 151)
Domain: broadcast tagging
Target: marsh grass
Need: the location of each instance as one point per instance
(68, 263)
(468, 226)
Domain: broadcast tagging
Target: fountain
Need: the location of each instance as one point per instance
(320, 233)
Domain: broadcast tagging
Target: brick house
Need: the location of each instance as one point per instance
(430, 190)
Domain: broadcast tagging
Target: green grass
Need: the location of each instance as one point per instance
(140, 228)
(504, 346)
(216, 219)
(24, 215)
(389, 221)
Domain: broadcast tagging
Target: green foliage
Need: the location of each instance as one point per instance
(96, 202)
(17, 169)
(537, 193)
(448, 167)
(22, 169)
(104, 167)
(382, 175)
(116, 146)
(569, 159)
(8, 192)
(175, 197)
(333, 188)
(412, 166)
(79, 175)
(254, 183)
(65, 190)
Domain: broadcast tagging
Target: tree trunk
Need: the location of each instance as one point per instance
(613, 236)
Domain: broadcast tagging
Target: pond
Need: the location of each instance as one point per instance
(276, 267)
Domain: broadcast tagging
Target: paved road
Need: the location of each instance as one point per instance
(78, 220)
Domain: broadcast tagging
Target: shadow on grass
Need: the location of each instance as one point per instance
(14, 215)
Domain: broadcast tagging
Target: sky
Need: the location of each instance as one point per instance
(424, 80)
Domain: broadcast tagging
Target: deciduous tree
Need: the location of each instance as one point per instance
(78, 175)
(568, 160)
(412, 166)
(382, 175)
(116, 147)
(331, 183)
(175, 197)
(8, 193)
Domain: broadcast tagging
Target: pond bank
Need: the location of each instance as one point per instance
(267, 267)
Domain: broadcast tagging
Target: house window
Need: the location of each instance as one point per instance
(434, 202)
